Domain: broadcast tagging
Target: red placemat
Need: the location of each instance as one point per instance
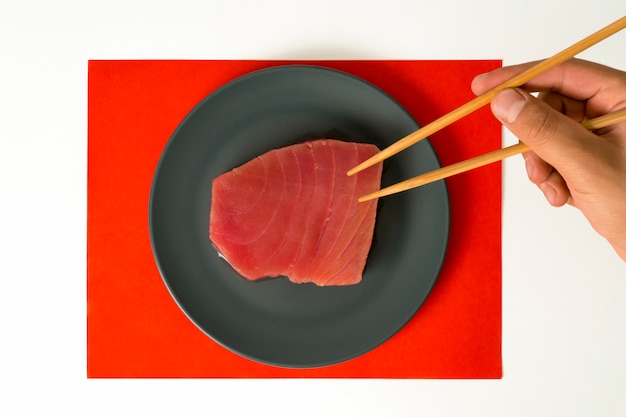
(134, 327)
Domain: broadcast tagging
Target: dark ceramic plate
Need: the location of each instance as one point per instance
(274, 321)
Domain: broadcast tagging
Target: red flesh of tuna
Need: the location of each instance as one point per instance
(294, 212)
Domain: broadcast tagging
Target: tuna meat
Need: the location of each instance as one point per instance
(293, 212)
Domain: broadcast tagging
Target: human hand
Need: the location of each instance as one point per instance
(570, 164)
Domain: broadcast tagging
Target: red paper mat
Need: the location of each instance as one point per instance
(134, 327)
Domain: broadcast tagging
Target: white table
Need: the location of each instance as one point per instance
(564, 290)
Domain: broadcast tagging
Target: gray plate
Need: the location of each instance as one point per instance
(273, 321)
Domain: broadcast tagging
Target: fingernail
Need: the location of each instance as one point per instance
(476, 85)
(529, 167)
(507, 105)
(549, 192)
(478, 79)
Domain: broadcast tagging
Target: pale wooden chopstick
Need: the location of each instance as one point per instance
(482, 160)
(485, 98)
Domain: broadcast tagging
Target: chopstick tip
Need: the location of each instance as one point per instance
(368, 197)
(379, 157)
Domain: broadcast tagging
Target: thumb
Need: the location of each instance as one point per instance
(554, 137)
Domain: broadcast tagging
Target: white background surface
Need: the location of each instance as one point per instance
(564, 290)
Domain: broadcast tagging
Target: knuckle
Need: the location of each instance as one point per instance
(542, 126)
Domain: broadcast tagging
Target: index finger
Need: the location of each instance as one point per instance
(603, 87)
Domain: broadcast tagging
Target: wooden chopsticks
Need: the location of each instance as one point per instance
(485, 98)
(482, 160)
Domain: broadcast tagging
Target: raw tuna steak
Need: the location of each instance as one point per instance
(293, 211)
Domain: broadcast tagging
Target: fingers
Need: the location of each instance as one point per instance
(485, 82)
(549, 181)
(602, 87)
(555, 190)
(554, 137)
(573, 109)
(575, 78)
(537, 169)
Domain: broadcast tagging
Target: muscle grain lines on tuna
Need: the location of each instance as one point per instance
(307, 223)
